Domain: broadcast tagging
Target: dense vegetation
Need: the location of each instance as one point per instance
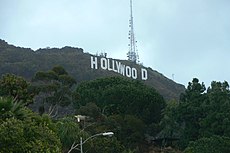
(201, 119)
(139, 117)
(128, 108)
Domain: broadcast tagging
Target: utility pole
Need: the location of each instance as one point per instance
(133, 53)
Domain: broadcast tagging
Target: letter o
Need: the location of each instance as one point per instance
(134, 73)
(103, 63)
(128, 71)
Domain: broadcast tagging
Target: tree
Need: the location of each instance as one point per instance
(28, 133)
(203, 114)
(17, 88)
(11, 108)
(69, 132)
(171, 129)
(55, 88)
(191, 111)
(130, 108)
(217, 108)
(214, 144)
(115, 95)
(26, 136)
(105, 145)
(133, 128)
(91, 110)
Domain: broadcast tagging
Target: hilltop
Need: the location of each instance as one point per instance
(26, 62)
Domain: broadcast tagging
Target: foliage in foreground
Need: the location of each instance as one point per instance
(129, 108)
(214, 144)
(31, 132)
(200, 120)
(17, 88)
(201, 117)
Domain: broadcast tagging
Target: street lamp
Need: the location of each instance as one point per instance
(91, 137)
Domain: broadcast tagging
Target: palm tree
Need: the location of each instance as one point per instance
(11, 108)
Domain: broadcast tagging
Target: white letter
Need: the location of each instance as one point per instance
(144, 74)
(113, 66)
(93, 63)
(118, 64)
(121, 69)
(103, 63)
(134, 73)
(128, 71)
(109, 65)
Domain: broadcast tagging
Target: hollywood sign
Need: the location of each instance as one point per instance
(118, 67)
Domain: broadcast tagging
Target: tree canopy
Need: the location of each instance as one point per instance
(197, 123)
(54, 87)
(27, 132)
(130, 107)
(117, 95)
(202, 115)
(17, 88)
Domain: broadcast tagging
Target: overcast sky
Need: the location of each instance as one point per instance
(181, 39)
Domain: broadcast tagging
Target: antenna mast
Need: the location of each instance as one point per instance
(133, 53)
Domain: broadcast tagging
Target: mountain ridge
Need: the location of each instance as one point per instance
(26, 62)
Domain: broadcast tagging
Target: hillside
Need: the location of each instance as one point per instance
(26, 62)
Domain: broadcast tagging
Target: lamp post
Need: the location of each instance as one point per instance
(91, 137)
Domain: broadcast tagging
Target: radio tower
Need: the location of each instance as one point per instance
(133, 53)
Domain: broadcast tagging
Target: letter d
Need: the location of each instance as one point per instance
(144, 74)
